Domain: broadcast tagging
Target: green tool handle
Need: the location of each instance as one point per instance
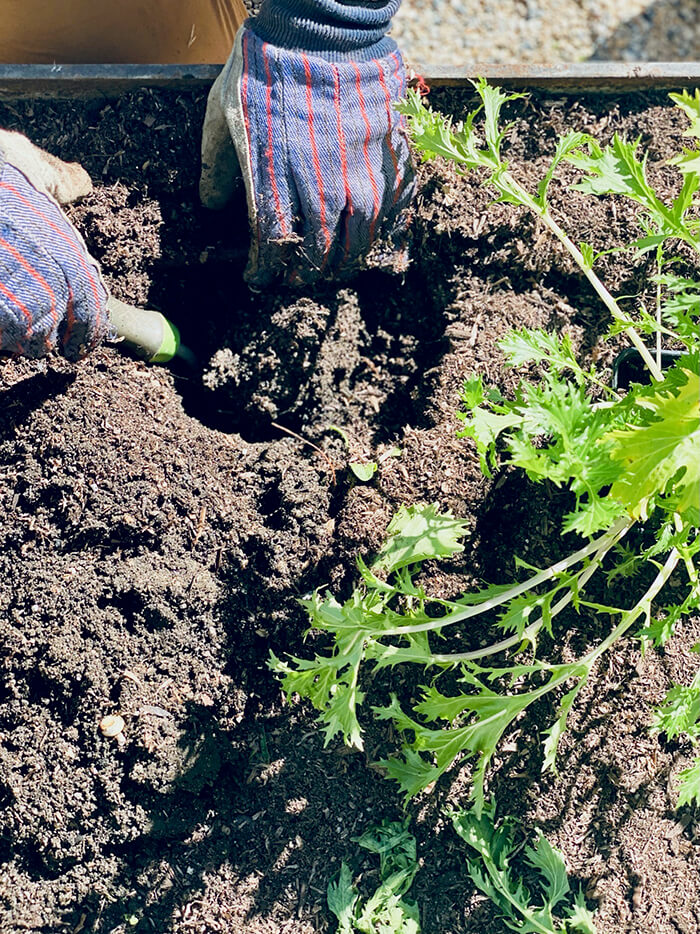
(147, 334)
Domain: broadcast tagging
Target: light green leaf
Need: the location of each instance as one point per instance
(690, 785)
(484, 426)
(433, 134)
(364, 472)
(537, 346)
(558, 728)
(494, 874)
(679, 713)
(386, 911)
(493, 99)
(472, 394)
(663, 450)
(550, 863)
(643, 244)
(616, 169)
(581, 918)
(691, 108)
(419, 533)
(342, 897)
(340, 713)
(593, 516)
(660, 630)
(687, 162)
(493, 713)
(331, 684)
(409, 770)
(566, 144)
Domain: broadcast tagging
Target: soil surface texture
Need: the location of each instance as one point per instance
(159, 526)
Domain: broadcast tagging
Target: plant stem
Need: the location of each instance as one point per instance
(530, 632)
(528, 635)
(603, 293)
(660, 268)
(643, 606)
(601, 545)
(687, 560)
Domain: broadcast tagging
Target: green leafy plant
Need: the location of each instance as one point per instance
(360, 465)
(386, 911)
(680, 715)
(553, 909)
(629, 459)
(364, 472)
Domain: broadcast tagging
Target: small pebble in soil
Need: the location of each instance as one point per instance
(112, 725)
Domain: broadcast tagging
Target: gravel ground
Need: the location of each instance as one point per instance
(461, 32)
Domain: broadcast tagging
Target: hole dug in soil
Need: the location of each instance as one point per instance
(159, 528)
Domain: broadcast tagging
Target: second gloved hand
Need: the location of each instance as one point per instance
(307, 100)
(51, 291)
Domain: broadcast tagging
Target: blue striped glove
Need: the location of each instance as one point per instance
(306, 98)
(51, 292)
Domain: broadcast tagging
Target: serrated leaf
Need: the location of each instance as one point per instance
(493, 873)
(691, 108)
(650, 242)
(419, 533)
(386, 656)
(331, 684)
(342, 897)
(679, 713)
(386, 911)
(410, 771)
(687, 162)
(517, 615)
(536, 346)
(485, 426)
(689, 785)
(557, 730)
(364, 472)
(663, 450)
(472, 394)
(616, 169)
(493, 99)
(566, 144)
(660, 630)
(581, 918)
(340, 713)
(593, 516)
(685, 198)
(393, 843)
(493, 713)
(550, 863)
(433, 135)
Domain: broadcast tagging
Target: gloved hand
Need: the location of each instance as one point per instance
(306, 98)
(51, 291)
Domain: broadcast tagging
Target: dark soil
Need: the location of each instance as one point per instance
(159, 526)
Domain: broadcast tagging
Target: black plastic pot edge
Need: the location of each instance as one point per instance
(629, 367)
(59, 81)
(53, 81)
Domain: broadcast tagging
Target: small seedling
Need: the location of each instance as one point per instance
(552, 909)
(362, 468)
(387, 911)
(364, 472)
(679, 715)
